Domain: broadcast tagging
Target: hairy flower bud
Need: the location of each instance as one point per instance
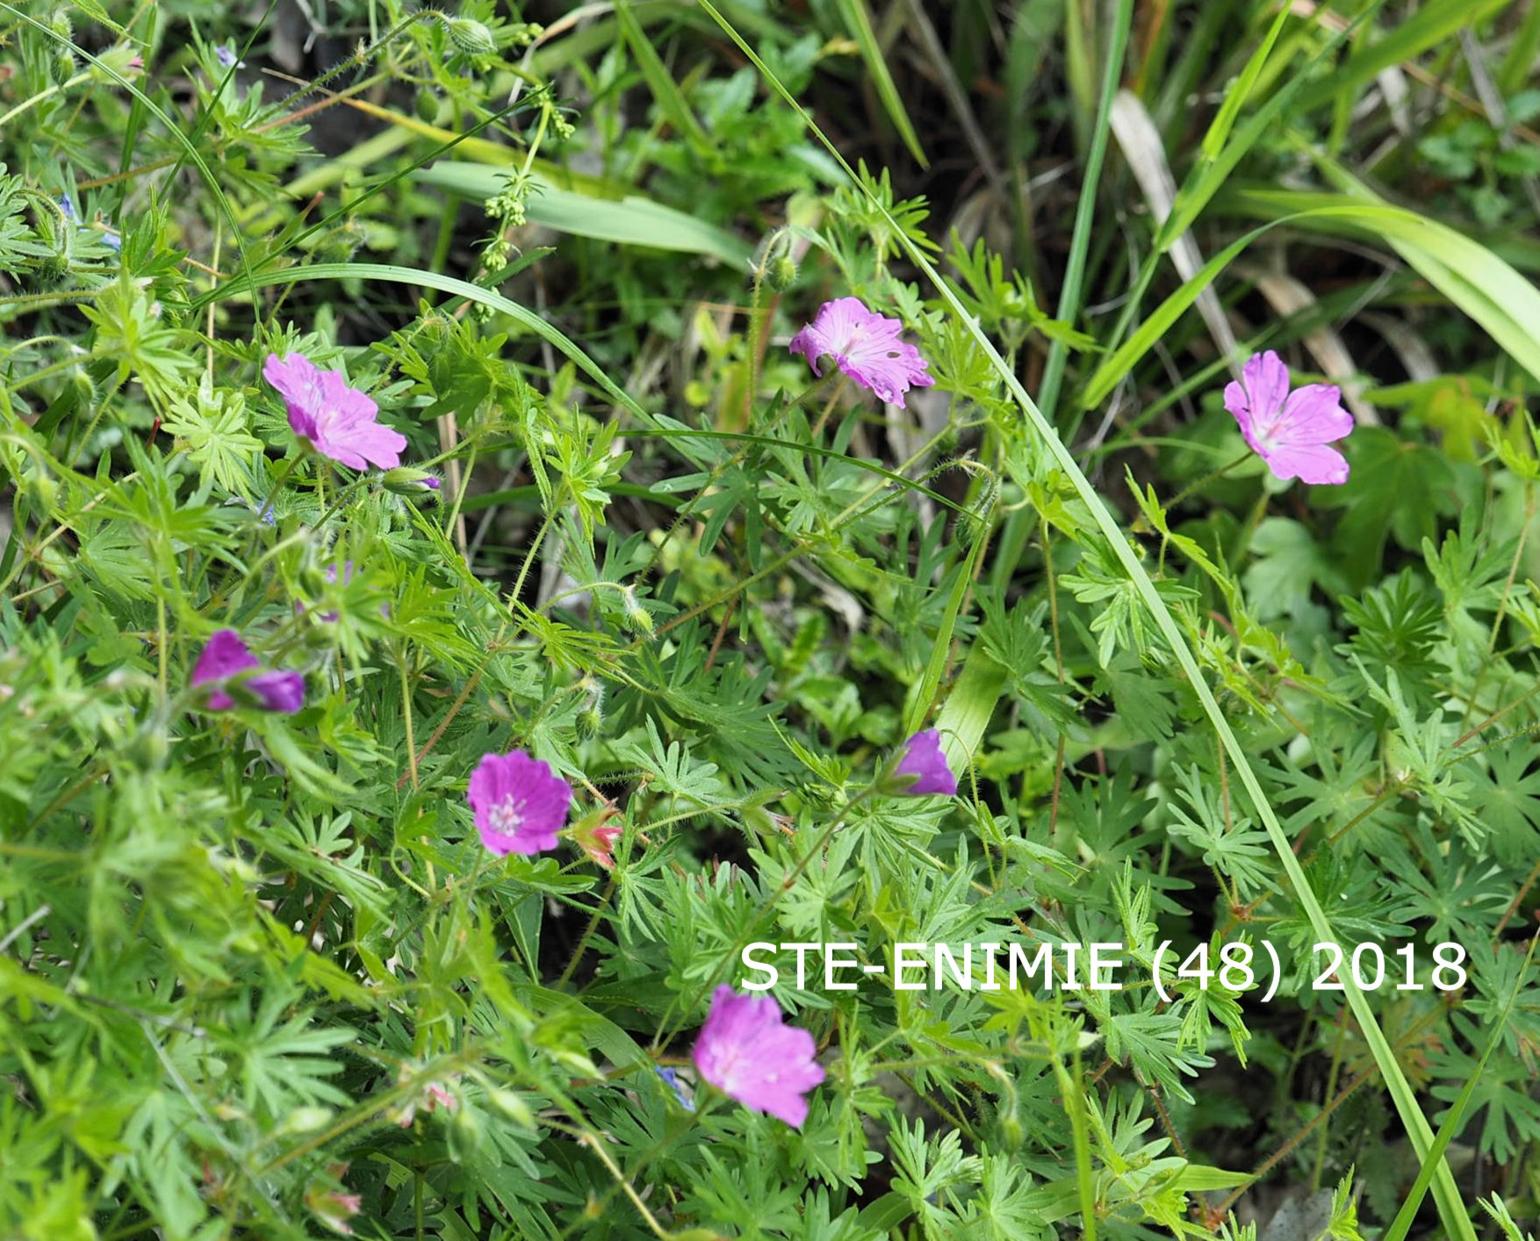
(470, 37)
(512, 1106)
(404, 480)
(638, 617)
(783, 273)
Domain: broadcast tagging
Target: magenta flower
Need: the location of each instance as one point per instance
(337, 420)
(519, 803)
(866, 347)
(746, 1051)
(924, 760)
(1290, 431)
(225, 657)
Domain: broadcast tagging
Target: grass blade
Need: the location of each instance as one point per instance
(859, 22)
(632, 220)
(1085, 208)
(1428, 27)
(665, 91)
(1478, 281)
(444, 284)
(1240, 90)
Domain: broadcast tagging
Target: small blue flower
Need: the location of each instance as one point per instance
(112, 240)
(225, 53)
(671, 1078)
(67, 206)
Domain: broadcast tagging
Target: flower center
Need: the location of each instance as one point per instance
(506, 816)
(1266, 431)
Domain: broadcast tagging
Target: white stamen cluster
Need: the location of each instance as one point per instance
(506, 816)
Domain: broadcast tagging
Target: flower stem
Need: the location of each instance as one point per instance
(42, 95)
(1206, 480)
(267, 505)
(406, 711)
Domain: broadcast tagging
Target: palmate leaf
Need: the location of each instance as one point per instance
(16, 237)
(1228, 841)
(1144, 703)
(1342, 799)
(1287, 563)
(1510, 1114)
(278, 1064)
(1004, 1208)
(1020, 642)
(1120, 612)
(927, 1168)
(1508, 797)
(1150, 1043)
(1386, 469)
(162, 1163)
(684, 781)
(212, 430)
(1451, 894)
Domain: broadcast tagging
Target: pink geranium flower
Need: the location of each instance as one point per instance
(1290, 431)
(924, 760)
(519, 803)
(747, 1052)
(225, 657)
(864, 345)
(337, 420)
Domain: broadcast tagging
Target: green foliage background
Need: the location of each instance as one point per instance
(563, 249)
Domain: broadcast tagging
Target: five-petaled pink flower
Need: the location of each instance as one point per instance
(924, 760)
(337, 420)
(746, 1051)
(519, 803)
(1290, 431)
(866, 347)
(225, 656)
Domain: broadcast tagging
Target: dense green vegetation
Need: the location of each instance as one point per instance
(571, 496)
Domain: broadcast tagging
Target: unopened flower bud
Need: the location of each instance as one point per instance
(783, 273)
(306, 1119)
(638, 617)
(465, 1135)
(512, 1105)
(471, 37)
(41, 487)
(406, 480)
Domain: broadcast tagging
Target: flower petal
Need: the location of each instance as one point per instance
(222, 657)
(866, 346)
(925, 760)
(1267, 383)
(1310, 463)
(1313, 414)
(746, 1051)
